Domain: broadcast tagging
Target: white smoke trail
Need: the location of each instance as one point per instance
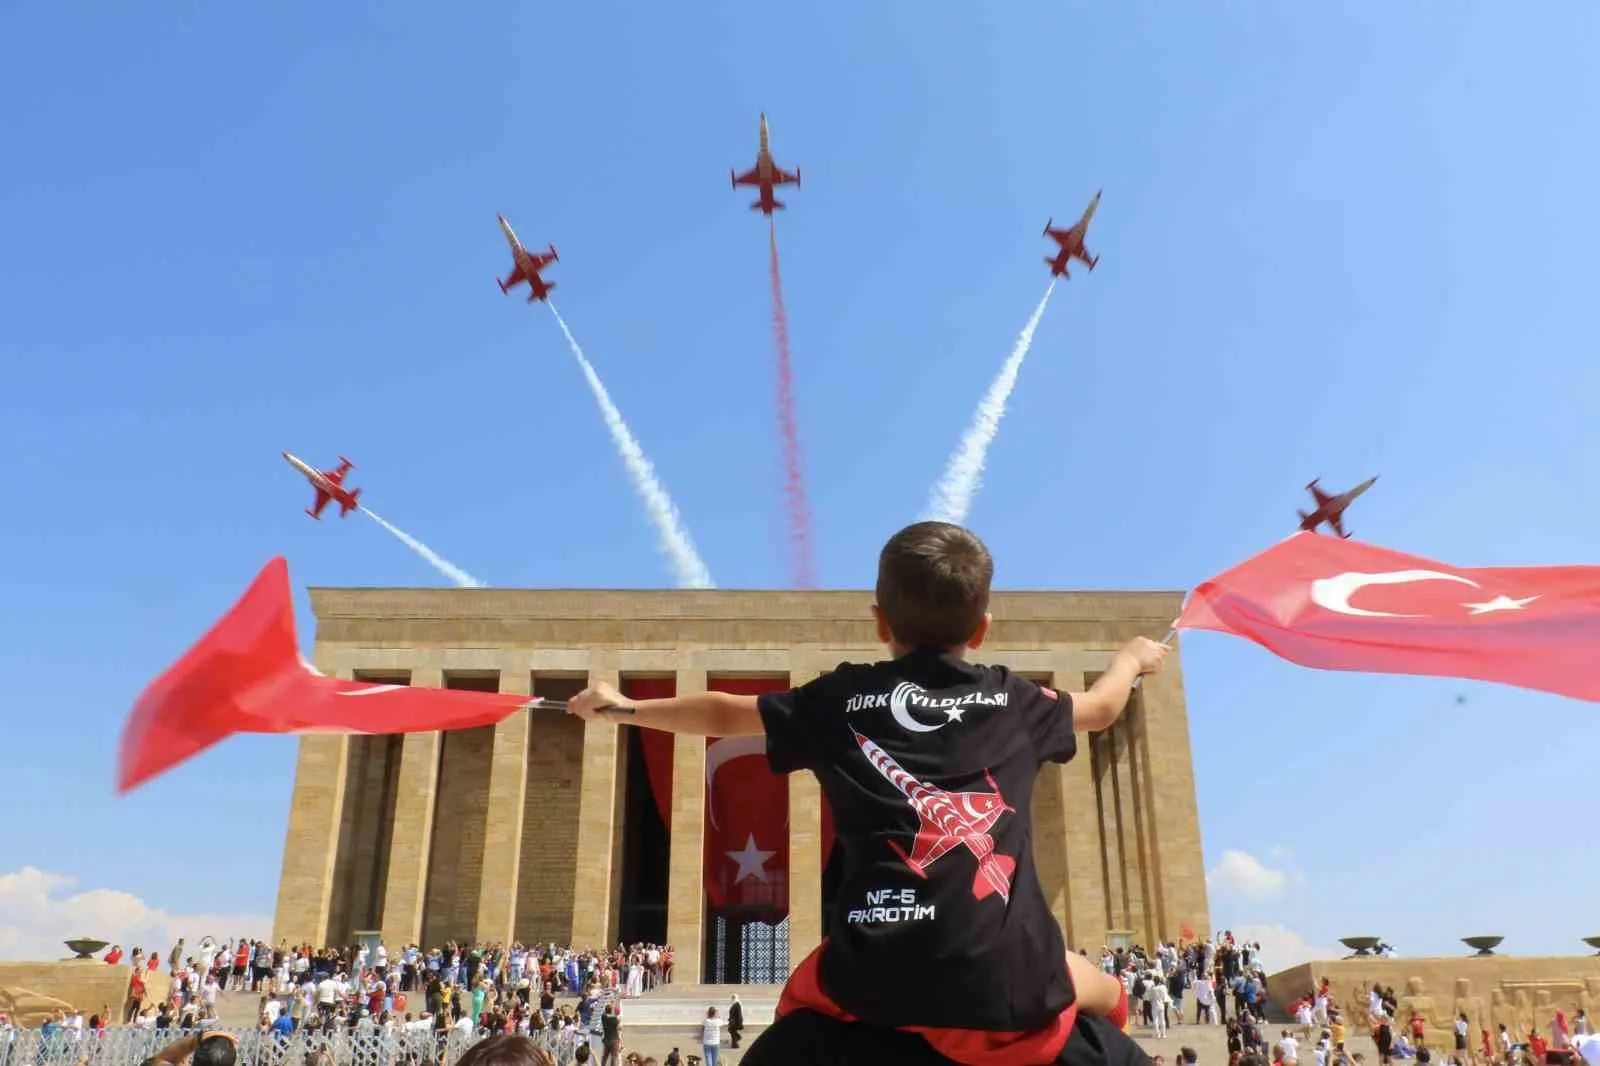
(686, 562)
(951, 498)
(444, 566)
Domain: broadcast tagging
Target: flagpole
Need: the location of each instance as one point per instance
(539, 703)
(1172, 634)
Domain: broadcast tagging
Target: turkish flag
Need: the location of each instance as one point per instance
(747, 818)
(246, 676)
(1339, 604)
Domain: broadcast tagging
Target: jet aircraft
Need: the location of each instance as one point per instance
(526, 266)
(765, 174)
(329, 485)
(1071, 242)
(1330, 509)
(948, 820)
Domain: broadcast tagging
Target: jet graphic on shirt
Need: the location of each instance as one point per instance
(949, 820)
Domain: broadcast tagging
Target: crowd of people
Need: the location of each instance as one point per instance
(210, 969)
(571, 994)
(1316, 1012)
(1220, 977)
(574, 996)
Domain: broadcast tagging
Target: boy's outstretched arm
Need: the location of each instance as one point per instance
(710, 714)
(1100, 706)
(1095, 990)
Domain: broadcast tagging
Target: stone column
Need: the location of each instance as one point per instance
(311, 847)
(1087, 888)
(597, 788)
(1116, 789)
(686, 889)
(806, 860)
(1082, 906)
(411, 839)
(502, 835)
(805, 866)
(1052, 823)
(1169, 767)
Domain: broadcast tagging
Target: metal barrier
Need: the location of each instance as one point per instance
(128, 1046)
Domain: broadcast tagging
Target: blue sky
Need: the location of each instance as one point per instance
(1338, 239)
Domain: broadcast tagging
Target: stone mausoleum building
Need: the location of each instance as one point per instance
(543, 828)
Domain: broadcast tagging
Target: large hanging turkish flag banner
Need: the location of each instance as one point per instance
(1339, 604)
(246, 676)
(747, 818)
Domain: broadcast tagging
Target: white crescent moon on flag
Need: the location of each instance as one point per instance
(378, 690)
(722, 751)
(902, 713)
(1333, 593)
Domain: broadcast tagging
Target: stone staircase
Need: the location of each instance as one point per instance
(669, 1016)
(239, 1010)
(681, 1008)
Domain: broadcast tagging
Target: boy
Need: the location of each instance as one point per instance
(928, 763)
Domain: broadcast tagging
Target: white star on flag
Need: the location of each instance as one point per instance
(1500, 603)
(752, 861)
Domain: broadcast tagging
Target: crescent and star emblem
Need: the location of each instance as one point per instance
(1334, 593)
(900, 709)
(752, 859)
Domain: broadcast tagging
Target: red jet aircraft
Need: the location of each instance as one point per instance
(329, 485)
(765, 174)
(948, 820)
(1071, 242)
(1330, 509)
(526, 266)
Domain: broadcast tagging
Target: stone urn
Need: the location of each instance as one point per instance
(1594, 942)
(1482, 946)
(1360, 946)
(86, 947)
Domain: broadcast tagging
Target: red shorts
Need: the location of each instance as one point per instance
(971, 1047)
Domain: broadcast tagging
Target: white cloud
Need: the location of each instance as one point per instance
(1282, 948)
(1240, 875)
(40, 910)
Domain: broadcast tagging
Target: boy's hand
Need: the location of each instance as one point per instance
(591, 701)
(1147, 654)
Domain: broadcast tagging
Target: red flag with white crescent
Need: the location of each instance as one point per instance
(658, 746)
(1338, 604)
(246, 676)
(747, 818)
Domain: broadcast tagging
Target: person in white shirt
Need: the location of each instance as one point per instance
(328, 991)
(1159, 999)
(1205, 1000)
(711, 1036)
(1288, 1048)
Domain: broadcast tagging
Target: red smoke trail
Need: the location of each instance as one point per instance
(794, 478)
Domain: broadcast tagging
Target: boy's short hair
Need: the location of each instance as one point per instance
(933, 584)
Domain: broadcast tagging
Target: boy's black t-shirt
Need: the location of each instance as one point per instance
(929, 764)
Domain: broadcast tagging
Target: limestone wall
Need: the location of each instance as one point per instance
(29, 991)
(1521, 992)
